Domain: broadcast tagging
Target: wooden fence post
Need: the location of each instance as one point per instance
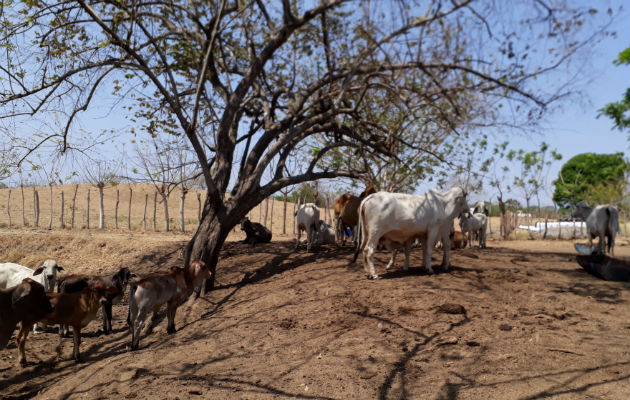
(74, 200)
(51, 207)
(266, 210)
(198, 208)
(9, 207)
(23, 212)
(271, 216)
(155, 211)
(116, 208)
(129, 209)
(88, 209)
(36, 208)
(144, 215)
(62, 223)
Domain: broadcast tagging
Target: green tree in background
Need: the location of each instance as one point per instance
(596, 178)
(619, 111)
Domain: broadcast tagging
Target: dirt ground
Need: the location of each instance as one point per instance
(285, 324)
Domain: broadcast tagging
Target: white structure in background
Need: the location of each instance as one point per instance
(567, 229)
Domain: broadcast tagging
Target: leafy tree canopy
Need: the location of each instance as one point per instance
(619, 111)
(584, 176)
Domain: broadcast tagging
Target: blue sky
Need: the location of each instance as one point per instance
(572, 129)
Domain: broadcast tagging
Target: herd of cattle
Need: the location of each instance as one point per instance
(392, 221)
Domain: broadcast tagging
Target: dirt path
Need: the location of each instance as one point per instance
(282, 324)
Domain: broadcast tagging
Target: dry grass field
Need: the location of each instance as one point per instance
(282, 324)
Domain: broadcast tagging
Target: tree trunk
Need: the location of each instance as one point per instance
(101, 208)
(545, 234)
(74, 202)
(88, 210)
(211, 233)
(155, 211)
(129, 209)
(116, 208)
(166, 221)
(144, 215)
(284, 214)
(51, 208)
(503, 226)
(23, 213)
(62, 223)
(259, 213)
(181, 209)
(9, 207)
(36, 208)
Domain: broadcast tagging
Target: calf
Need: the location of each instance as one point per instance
(117, 283)
(326, 234)
(25, 303)
(475, 223)
(74, 309)
(396, 220)
(256, 233)
(347, 211)
(458, 241)
(307, 219)
(147, 295)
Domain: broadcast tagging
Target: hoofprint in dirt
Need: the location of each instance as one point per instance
(508, 322)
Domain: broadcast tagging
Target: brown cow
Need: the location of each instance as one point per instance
(458, 240)
(346, 211)
(116, 283)
(148, 293)
(74, 309)
(26, 303)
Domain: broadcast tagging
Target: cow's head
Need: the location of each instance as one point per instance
(29, 298)
(246, 224)
(123, 276)
(100, 292)
(581, 210)
(49, 268)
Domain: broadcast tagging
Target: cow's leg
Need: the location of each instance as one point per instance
(446, 257)
(391, 260)
(136, 327)
(408, 244)
(299, 234)
(76, 330)
(107, 317)
(427, 251)
(309, 238)
(21, 342)
(171, 309)
(368, 255)
(470, 238)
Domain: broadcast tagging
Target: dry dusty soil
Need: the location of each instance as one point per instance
(519, 320)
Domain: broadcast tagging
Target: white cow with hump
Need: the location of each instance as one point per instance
(307, 220)
(396, 220)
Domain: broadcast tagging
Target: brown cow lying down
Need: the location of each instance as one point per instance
(458, 240)
(147, 294)
(74, 309)
(116, 283)
(26, 303)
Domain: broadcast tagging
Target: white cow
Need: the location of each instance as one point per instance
(307, 219)
(396, 220)
(326, 234)
(602, 221)
(12, 274)
(476, 223)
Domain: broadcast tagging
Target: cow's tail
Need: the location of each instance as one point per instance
(613, 226)
(360, 234)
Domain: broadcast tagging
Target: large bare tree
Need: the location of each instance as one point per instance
(251, 83)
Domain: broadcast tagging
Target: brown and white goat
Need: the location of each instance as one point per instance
(147, 294)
